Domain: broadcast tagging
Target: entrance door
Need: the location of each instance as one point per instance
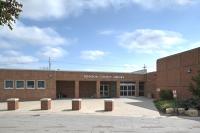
(104, 90)
(127, 89)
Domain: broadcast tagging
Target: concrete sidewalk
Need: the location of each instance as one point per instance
(135, 106)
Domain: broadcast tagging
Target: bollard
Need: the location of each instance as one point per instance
(108, 104)
(76, 104)
(13, 103)
(45, 103)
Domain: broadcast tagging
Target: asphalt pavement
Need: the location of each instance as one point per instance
(61, 123)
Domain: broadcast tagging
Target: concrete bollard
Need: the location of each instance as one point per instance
(76, 104)
(45, 103)
(169, 110)
(108, 105)
(13, 103)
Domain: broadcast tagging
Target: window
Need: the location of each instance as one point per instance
(30, 84)
(19, 84)
(41, 84)
(8, 84)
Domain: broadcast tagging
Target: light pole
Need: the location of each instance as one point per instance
(158, 92)
(175, 98)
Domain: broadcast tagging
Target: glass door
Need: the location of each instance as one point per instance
(127, 89)
(104, 90)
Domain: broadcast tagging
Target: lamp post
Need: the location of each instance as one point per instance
(158, 91)
(175, 97)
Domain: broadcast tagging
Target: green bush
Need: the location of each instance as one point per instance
(190, 103)
(166, 95)
(161, 105)
(194, 86)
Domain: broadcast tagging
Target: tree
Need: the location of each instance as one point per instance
(9, 12)
(195, 86)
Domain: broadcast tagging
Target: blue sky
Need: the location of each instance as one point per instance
(99, 35)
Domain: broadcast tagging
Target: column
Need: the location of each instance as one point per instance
(76, 89)
(97, 89)
(118, 89)
(137, 89)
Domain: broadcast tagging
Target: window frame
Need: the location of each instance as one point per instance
(42, 87)
(16, 84)
(9, 87)
(27, 84)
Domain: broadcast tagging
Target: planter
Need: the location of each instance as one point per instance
(169, 110)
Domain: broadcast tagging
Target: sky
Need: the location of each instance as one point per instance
(99, 35)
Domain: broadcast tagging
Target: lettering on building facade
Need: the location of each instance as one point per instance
(103, 76)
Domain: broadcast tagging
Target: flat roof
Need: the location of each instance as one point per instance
(58, 70)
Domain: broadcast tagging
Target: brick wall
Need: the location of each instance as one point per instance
(31, 94)
(51, 77)
(175, 72)
(150, 86)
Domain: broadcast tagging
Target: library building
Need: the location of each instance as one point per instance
(173, 72)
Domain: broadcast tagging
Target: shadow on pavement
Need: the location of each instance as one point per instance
(143, 103)
(35, 110)
(100, 111)
(67, 110)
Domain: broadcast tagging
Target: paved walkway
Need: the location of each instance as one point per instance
(130, 115)
(122, 107)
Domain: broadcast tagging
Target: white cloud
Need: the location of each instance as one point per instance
(33, 35)
(92, 54)
(53, 52)
(45, 41)
(194, 45)
(149, 40)
(12, 57)
(160, 4)
(41, 9)
(106, 32)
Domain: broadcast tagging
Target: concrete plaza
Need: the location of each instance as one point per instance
(129, 115)
(135, 106)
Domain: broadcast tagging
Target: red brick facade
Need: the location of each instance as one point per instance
(78, 84)
(175, 72)
(150, 86)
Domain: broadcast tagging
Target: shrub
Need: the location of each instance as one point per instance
(194, 87)
(190, 103)
(161, 105)
(166, 95)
